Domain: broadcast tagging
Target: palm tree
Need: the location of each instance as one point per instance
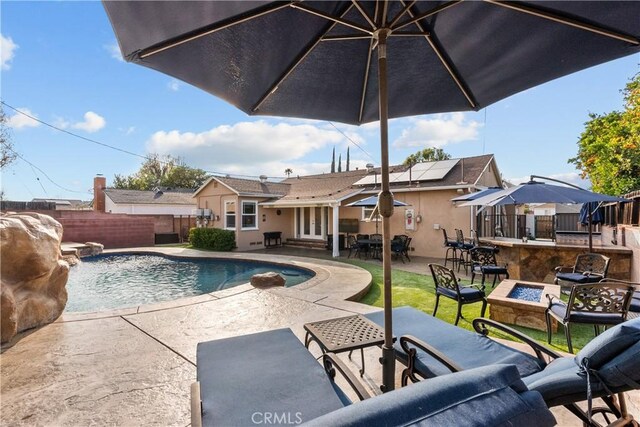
(288, 172)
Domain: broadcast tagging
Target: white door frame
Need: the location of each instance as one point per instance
(313, 222)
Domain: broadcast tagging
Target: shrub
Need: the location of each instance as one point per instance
(214, 239)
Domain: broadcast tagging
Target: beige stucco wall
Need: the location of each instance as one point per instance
(437, 212)
(214, 197)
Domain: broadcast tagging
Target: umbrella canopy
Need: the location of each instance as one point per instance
(540, 192)
(361, 61)
(595, 210)
(372, 202)
(477, 194)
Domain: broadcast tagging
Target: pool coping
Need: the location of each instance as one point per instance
(333, 281)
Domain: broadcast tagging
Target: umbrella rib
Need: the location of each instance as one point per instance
(201, 32)
(365, 81)
(341, 21)
(363, 13)
(417, 18)
(295, 64)
(572, 22)
(400, 14)
(453, 72)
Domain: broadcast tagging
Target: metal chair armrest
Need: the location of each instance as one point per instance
(331, 363)
(407, 340)
(480, 325)
(562, 269)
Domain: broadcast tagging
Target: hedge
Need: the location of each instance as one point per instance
(213, 239)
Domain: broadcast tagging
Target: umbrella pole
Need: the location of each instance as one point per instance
(590, 233)
(385, 204)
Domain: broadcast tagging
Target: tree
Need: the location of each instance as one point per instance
(427, 155)
(288, 172)
(340, 163)
(333, 161)
(347, 159)
(164, 171)
(7, 153)
(609, 147)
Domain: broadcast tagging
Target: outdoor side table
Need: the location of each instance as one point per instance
(344, 334)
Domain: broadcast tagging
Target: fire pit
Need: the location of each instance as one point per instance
(522, 303)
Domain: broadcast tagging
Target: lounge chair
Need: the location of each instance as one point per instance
(271, 378)
(609, 364)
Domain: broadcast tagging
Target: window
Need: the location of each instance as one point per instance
(230, 215)
(366, 214)
(249, 215)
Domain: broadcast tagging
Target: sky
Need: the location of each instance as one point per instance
(61, 64)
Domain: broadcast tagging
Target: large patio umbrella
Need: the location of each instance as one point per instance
(362, 61)
(372, 202)
(540, 192)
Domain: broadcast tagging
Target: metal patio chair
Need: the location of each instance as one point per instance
(448, 285)
(400, 246)
(588, 268)
(451, 253)
(605, 303)
(483, 261)
(463, 249)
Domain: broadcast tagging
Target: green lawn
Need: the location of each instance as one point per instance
(417, 290)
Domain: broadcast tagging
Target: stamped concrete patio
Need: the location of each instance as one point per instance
(135, 366)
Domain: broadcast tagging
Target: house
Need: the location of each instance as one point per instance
(161, 201)
(65, 204)
(310, 208)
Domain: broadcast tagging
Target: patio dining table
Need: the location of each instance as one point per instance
(375, 245)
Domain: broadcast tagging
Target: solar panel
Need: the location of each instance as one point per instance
(427, 171)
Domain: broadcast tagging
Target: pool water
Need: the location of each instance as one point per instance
(106, 282)
(525, 293)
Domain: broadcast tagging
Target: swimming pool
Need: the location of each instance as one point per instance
(106, 282)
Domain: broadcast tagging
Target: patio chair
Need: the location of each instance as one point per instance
(354, 246)
(605, 303)
(400, 246)
(608, 365)
(483, 261)
(271, 378)
(452, 249)
(448, 285)
(589, 268)
(463, 249)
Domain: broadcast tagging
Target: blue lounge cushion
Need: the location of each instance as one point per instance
(624, 369)
(276, 373)
(560, 309)
(487, 396)
(610, 343)
(467, 349)
(562, 381)
(635, 302)
(578, 277)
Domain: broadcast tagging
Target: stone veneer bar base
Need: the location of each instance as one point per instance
(529, 314)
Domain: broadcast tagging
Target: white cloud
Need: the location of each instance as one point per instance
(92, 122)
(129, 130)
(252, 148)
(7, 51)
(19, 121)
(174, 85)
(60, 122)
(114, 51)
(437, 132)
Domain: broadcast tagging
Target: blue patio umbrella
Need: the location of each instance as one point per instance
(596, 211)
(372, 202)
(477, 194)
(540, 192)
(363, 61)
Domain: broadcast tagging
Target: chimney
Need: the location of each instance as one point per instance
(99, 184)
(263, 178)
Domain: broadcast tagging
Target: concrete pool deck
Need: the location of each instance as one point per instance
(135, 366)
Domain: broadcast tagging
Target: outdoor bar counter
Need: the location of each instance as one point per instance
(536, 260)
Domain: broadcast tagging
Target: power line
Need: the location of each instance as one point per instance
(102, 144)
(353, 142)
(46, 176)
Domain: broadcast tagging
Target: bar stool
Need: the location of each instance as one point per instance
(452, 250)
(463, 248)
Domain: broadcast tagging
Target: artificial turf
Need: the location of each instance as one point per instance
(417, 290)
